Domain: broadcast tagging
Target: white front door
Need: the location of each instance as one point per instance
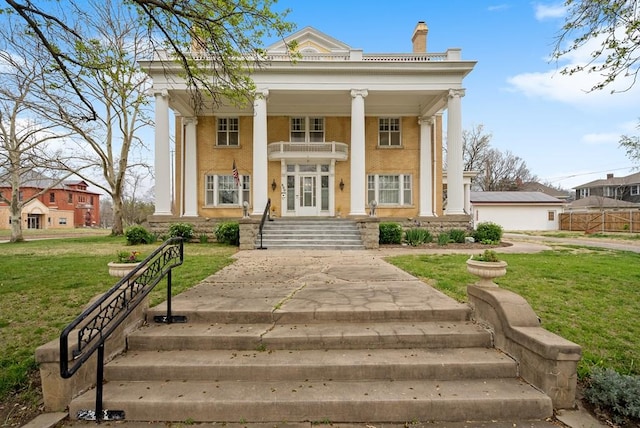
(306, 190)
(308, 195)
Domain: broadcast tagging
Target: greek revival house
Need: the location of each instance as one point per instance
(327, 134)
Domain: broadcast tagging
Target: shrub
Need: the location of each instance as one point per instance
(486, 256)
(444, 238)
(203, 238)
(617, 393)
(390, 233)
(488, 233)
(136, 235)
(228, 233)
(416, 236)
(181, 230)
(457, 235)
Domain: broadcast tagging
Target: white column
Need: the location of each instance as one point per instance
(260, 159)
(467, 198)
(190, 181)
(358, 177)
(426, 164)
(455, 186)
(162, 154)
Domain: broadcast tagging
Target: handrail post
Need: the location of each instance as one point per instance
(169, 320)
(99, 381)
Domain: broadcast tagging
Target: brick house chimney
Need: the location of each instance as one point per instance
(609, 176)
(419, 37)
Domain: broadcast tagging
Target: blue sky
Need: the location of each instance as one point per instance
(565, 135)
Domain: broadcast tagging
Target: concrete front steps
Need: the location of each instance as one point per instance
(313, 233)
(285, 368)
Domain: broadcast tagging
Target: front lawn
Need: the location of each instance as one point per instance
(45, 284)
(588, 296)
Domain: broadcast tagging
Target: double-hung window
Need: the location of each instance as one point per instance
(609, 192)
(390, 189)
(221, 190)
(228, 131)
(635, 190)
(389, 131)
(584, 192)
(306, 129)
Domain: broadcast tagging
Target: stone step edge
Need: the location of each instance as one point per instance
(399, 364)
(335, 401)
(457, 313)
(310, 336)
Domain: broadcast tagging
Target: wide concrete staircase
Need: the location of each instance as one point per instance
(337, 365)
(311, 234)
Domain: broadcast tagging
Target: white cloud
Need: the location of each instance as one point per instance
(601, 138)
(549, 11)
(498, 7)
(574, 90)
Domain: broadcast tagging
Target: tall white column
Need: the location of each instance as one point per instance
(190, 177)
(426, 167)
(260, 158)
(358, 176)
(455, 186)
(162, 154)
(467, 198)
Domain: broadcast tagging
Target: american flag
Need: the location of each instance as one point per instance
(236, 176)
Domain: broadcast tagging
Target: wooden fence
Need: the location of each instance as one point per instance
(601, 221)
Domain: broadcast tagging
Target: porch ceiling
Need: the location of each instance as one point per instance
(328, 103)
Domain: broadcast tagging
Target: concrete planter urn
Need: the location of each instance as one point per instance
(486, 271)
(120, 270)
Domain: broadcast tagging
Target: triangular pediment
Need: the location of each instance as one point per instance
(310, 39)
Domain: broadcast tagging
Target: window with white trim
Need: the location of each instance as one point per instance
(306, 129)
(228, 131)
(389, 131)
(635, 190)
(609, 191)
(584, 192)
(390, 189)
(221, 190)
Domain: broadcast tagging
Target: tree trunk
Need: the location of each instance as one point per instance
(118, 228)
(16, 226)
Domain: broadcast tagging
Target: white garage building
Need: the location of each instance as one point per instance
(517, 210)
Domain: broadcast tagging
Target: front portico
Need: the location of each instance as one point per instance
(325, 135)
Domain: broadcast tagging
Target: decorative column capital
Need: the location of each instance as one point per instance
(160, 93)
(359, 93)
(190, 120)
(426, 120)
(456, 93)
(262, 94)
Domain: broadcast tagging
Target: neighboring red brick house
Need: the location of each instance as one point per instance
(66, 205)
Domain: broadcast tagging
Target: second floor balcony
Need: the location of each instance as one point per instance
(288, 150)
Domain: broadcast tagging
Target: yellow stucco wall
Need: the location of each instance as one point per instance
(212, 159)
(51, 213)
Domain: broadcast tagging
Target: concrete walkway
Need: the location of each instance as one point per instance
(310, 278)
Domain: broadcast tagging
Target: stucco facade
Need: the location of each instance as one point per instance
(326, 136)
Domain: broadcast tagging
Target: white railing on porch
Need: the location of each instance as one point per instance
(289, 150)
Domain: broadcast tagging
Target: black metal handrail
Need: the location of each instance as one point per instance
(96, 323)
(265, 216)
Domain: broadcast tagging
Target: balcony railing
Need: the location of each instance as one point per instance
(452, 54)
(289, 150)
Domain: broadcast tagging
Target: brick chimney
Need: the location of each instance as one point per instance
(419, 37)
(609, 176)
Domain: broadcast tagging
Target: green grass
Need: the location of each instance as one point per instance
(589, 296)
(45, 284)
